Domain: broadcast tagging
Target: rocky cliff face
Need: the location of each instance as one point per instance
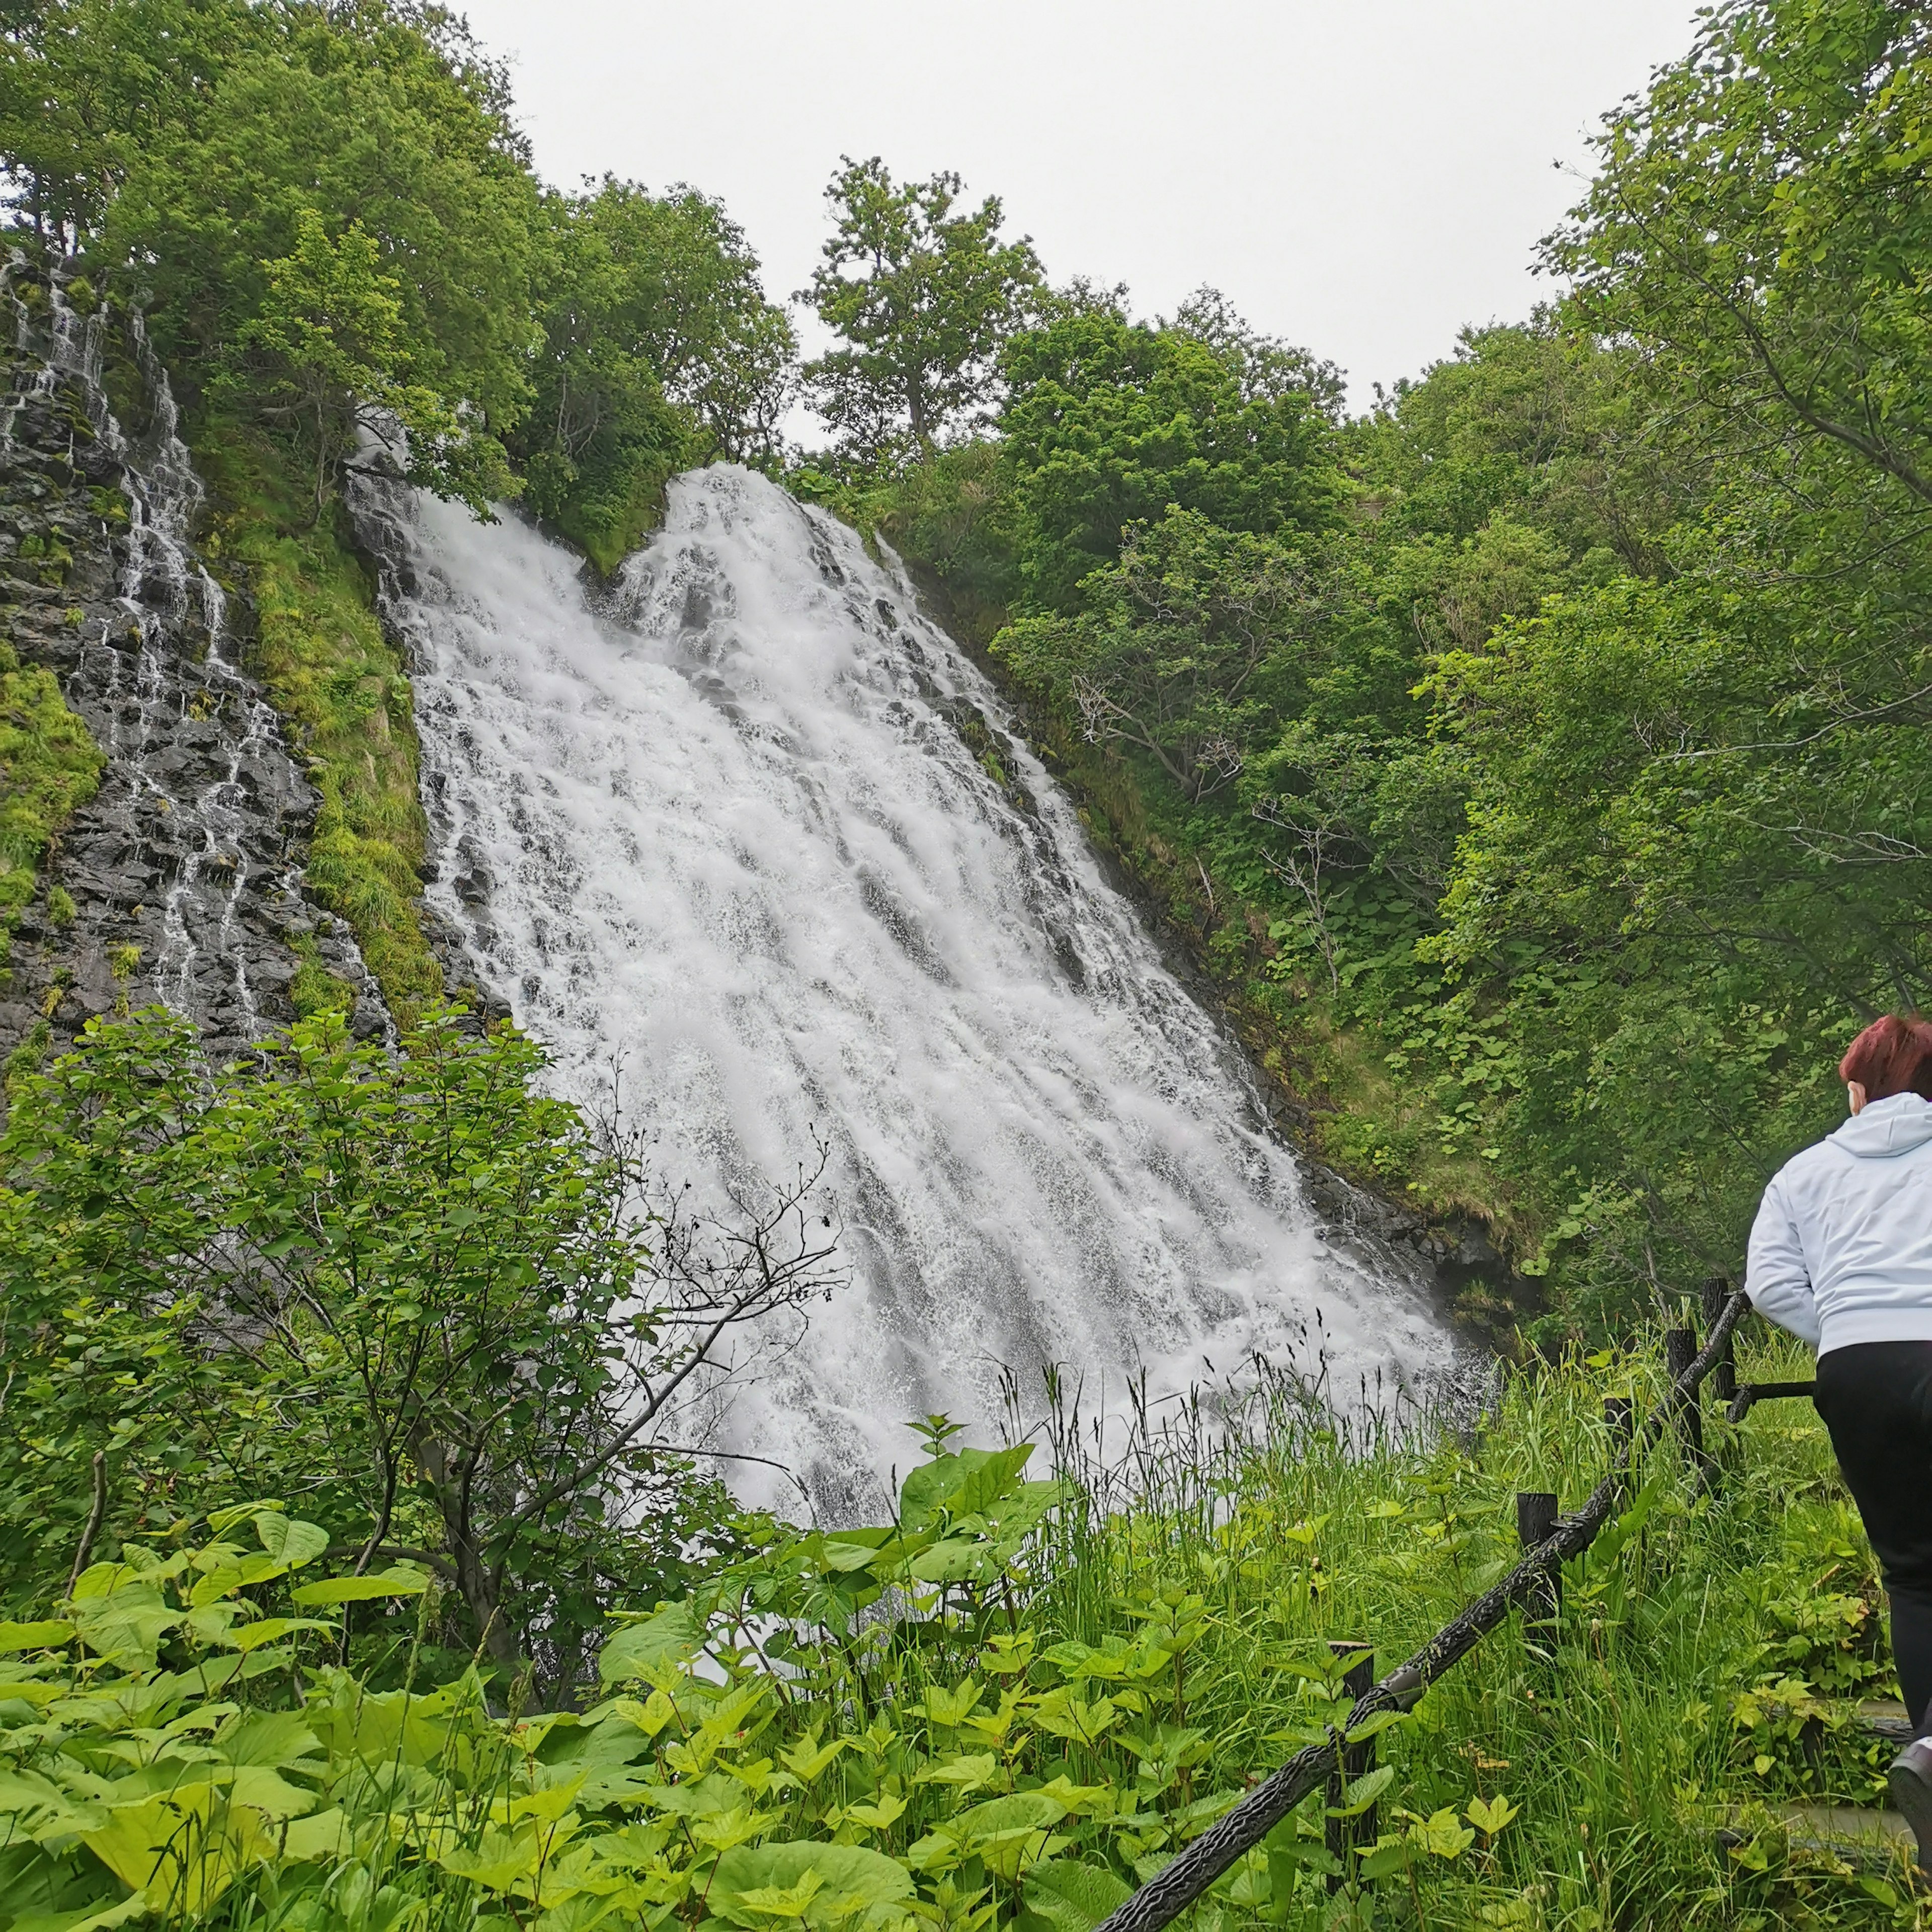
(183, 872)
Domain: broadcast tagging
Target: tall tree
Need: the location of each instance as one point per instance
(922, 297)
(1761, 222)
(658, 349)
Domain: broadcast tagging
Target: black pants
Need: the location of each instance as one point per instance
(1875, 1398)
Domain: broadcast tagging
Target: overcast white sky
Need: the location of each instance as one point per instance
(1360, 176)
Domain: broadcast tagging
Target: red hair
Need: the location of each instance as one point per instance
(1893, 1055)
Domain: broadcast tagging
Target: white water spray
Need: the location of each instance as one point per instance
(726, 829)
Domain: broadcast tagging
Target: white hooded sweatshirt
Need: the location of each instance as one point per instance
(1841, 1251)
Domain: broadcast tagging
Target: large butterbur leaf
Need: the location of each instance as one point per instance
(181, 1848)
(823, 1885)
(1062, 1896)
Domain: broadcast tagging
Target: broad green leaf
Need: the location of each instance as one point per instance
(323, 1834)
(125, 1621)
(997, 1818)
(191, 1841)
(953, 1560)
(879, 1816)
(1442, 1834)
(221, 1521)
(1362, 1792)
(85, 1918)
(635, 1651)
(854, 1885)
(950, 1708)
(1073, 1897)
(1374, 1725)
(960, 1485)
(394, 1581)
(498, 1860)
(968, 1773)
(270, 1629)
(98, 1579)
(1388, 1855)
(289, 1541)
(1490, 1816)
(45, 1635)
(281, 1738)
(805, 1759)
(36, 1691)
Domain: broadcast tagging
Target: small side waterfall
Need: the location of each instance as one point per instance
(185, 868)
(752, 833)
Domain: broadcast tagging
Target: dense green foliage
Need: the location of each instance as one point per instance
(658, 352)
(330, 219)
(484, 1321)
(329, 224)
(223, 1720)
(1540, 759)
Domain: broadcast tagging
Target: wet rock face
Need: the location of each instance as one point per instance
(381, 508)
(184, 870)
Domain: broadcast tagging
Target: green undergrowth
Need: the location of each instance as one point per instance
(345, 698)
(49, 766)
(1005, 1708)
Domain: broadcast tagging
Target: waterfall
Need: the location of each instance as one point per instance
(751, 830)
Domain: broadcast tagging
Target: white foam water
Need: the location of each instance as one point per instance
(721, 826)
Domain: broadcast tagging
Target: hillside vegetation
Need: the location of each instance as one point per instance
(1540, 761)
(336, 1676)
(1537, 758)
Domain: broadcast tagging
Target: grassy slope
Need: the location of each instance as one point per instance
(342, 692)
(49, 766)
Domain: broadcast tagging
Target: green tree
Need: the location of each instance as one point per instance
(923, 298)
(324, 353)
(1173, 656)
(489, 1328)
(1107, 423)
(1760, 223)
(659, 350)
(203, 165)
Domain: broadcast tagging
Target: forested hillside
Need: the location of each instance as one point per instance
(1539, 761)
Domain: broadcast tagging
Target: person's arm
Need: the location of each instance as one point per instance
(1776, 1277)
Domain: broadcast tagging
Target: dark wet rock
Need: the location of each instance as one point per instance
(184, 870)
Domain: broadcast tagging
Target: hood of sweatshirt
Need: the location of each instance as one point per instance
(1896, 1125)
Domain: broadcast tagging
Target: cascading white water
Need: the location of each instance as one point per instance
(724, 828)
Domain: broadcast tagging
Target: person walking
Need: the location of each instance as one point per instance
(1841, 1255)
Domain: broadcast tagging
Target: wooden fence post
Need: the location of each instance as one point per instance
(1358, 1760)
(1724, 1376)
(1535, 1521)
(1680, 1350)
